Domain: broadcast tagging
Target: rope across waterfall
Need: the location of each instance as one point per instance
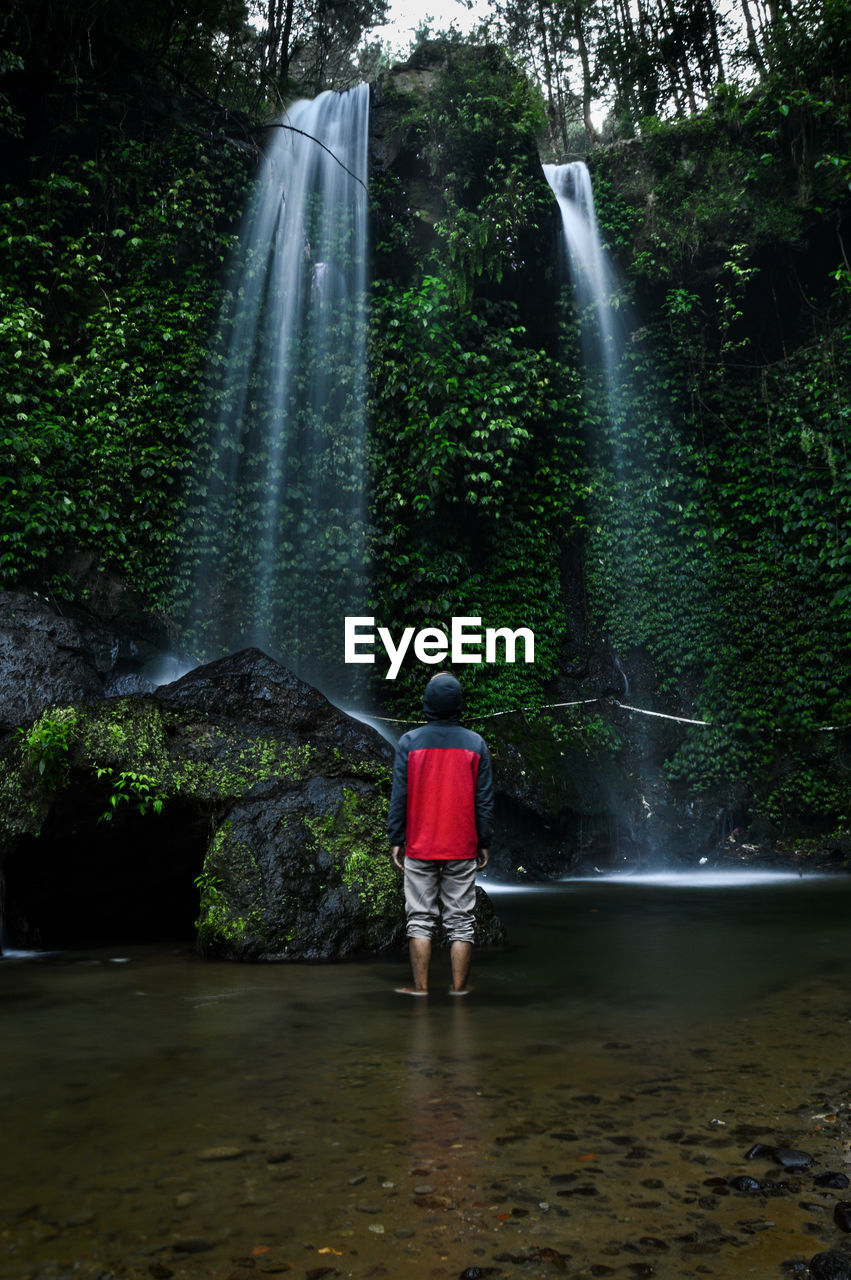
(608, 701)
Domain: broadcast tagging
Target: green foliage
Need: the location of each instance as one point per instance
(476, 478)
(477, 131)
(718, 539)
(356, 836)
(46, 745)
(107, 291)
(141, 791)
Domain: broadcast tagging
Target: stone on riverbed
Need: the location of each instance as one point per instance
(787, 1157)
(831, 1178)
(830, 1266)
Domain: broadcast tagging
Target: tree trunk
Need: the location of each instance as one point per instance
(753, 44)
(591, 132)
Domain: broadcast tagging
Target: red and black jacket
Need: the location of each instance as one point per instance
(441, 804)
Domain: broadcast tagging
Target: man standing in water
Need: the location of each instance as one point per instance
(441, 811)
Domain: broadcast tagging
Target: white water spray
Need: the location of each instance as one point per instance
(277, 537)
(587, 265)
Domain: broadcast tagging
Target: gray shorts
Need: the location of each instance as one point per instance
(452, 884)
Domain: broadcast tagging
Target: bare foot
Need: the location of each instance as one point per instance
(410, 991)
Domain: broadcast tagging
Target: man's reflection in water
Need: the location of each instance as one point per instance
(448, 1126)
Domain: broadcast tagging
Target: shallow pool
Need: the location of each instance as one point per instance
(582, 1112)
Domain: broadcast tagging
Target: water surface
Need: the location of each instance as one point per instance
(581, 1113)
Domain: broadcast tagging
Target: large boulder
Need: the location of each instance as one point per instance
(55, 653)
(237, 800)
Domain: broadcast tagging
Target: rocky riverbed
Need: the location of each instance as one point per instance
(592, 1110)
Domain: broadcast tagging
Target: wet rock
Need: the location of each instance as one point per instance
(831, 1179)
(192, 1244)
(81, 1219)
(477, 1273)
(787, 1157)
(759, 1151)
(221, 1153)
(434, 1202)
(53, 656)
(842, 1215)
(744, 1183)
(830, 1266)
(278, 795)
(791, 1160)
(546, 1254)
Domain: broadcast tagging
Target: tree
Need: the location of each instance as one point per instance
(313, 45)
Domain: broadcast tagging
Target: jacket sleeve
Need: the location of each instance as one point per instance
(484, 799)
(398, 812)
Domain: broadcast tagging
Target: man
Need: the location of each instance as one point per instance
(441, 811)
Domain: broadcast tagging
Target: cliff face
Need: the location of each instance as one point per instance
(696, 572)
(682, 549)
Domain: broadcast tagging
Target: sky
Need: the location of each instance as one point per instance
(407, 15)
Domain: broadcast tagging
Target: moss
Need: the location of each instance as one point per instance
(230, 876)
(355, 836)
(229, 771)
(126, 732)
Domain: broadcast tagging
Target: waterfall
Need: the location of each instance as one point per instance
(276, 530)
(587, 265)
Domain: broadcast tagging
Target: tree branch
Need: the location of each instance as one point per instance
(279, 124)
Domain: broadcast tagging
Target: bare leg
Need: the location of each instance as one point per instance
(460, 956)
(419, 950)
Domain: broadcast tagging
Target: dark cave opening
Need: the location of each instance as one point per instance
(89, 882)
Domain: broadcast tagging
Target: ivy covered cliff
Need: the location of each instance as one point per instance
(680, 546)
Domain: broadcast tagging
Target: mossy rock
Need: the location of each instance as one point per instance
(239, 781)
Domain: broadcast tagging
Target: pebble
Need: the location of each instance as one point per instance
(791, 1159)
(830, 1266)
(81, 1219)
(831, 1179)
(185, 1199)
(842, 1215)
(745, 1184)
(221, 1153)
(357, 1179)
(377, 1228)
(191, 1244)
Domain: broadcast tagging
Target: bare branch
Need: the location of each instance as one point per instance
(279, 124)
